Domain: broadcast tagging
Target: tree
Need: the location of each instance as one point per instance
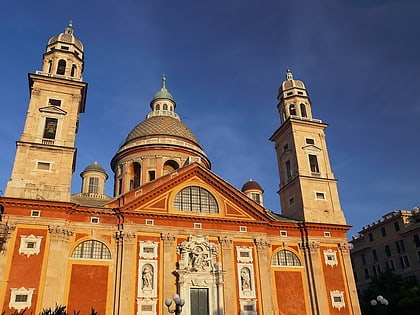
(403, 295)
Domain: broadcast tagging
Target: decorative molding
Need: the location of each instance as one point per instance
(344, 247)
(147, 279)
(262, 244)
(246, 282)
(60, 233)
(330, 257)
(312, 246)
(168, 239)
(148, 249)
(21, 298)
(337, 299)
(198, 254)
(30, 245)
(244, 254)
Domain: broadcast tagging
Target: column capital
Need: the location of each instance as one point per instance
(226, 242)
(312, 246)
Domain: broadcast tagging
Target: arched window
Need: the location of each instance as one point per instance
(165, 106)
(136, 174)
(292, 110)
(303, 110)
(169, 167)
(157, 107)
(49, 66)
(91, 250)
(73, 70)
(195, 199)
(93, 185)
(61, 69)
(285, 258)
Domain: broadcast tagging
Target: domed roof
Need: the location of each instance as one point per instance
(95, 167)
(159, 126)
(67, 37)
(163, 93)
(290, 83)
(251, 185)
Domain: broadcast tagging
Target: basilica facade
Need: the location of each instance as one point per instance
(172, 225)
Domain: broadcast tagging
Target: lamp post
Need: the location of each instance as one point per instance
(381, 302)
(179, 303)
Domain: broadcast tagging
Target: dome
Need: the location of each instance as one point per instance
(290, 83)
(160, 126)
(95, 167)
(251, 185)
(66, 37)
(163, 94)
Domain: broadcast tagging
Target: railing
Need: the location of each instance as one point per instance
(48, 141)
(58, 76)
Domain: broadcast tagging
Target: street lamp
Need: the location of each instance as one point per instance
(179, 303)
(382, 302)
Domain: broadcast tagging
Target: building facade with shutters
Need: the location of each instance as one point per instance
(172, 226)
(389, 244)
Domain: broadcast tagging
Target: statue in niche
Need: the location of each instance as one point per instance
(197, 259)
(147, 277)
(245, 279)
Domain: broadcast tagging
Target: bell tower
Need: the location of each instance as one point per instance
(46, 153)
(308, 189)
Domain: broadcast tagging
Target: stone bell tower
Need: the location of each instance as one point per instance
(308, 189)
(46, 153)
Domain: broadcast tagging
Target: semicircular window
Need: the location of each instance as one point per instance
(285, 258)
(91, 250)
(195, 199)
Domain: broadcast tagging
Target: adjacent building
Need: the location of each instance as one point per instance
(172, 225)
(391, 243)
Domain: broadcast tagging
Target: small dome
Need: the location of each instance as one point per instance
(290, 83)
(95, 167)
(67, 37)
(251, 185)
(163, 93)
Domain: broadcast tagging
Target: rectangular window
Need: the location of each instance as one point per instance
(310, 141)
(285, 147)
(242, 229)
(390, 265)
(94, 220)
(313, 163)
(363, 259)
(54, 102)
(197, 226)
(374, 255)
(319, 195)
(400, 246)
(44, 166)
(50, 128)
(404, 262)
(387, 251)
(396, 226)
(383, 232)
(416, 240)
(21, 298)
(366, 272)
(370, 235)
(93, 185)
(35, 213)
(30, 244)
(283, 233)
(152, 175)
(327, 234)
(288, 170)
(150, 222)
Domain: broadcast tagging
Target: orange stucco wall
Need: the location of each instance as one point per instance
(290, 293)
(88, 288)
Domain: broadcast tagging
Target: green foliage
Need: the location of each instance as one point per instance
(403, 295)
(59, 310)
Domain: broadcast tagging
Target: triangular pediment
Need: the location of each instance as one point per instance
(311, 148)
(53, 110)
(159, 197)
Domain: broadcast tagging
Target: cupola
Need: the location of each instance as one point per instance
(254, 191)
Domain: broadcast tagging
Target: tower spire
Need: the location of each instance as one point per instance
(69, 29)
(289, 75)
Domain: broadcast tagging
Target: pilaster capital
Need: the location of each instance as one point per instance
(262, 244)
(344, 247)
(125, 237)
(60, 233)
(226, 242)
(168, 239)
(311, 246)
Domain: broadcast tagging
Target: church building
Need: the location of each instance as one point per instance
(172, 226)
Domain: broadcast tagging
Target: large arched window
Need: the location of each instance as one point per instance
(169, 167)
(73, 70)
(91, 250)
(292, 110)
(195, 199)
(285, 258)
(61, 69)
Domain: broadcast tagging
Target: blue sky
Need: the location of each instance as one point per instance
(224, 61)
